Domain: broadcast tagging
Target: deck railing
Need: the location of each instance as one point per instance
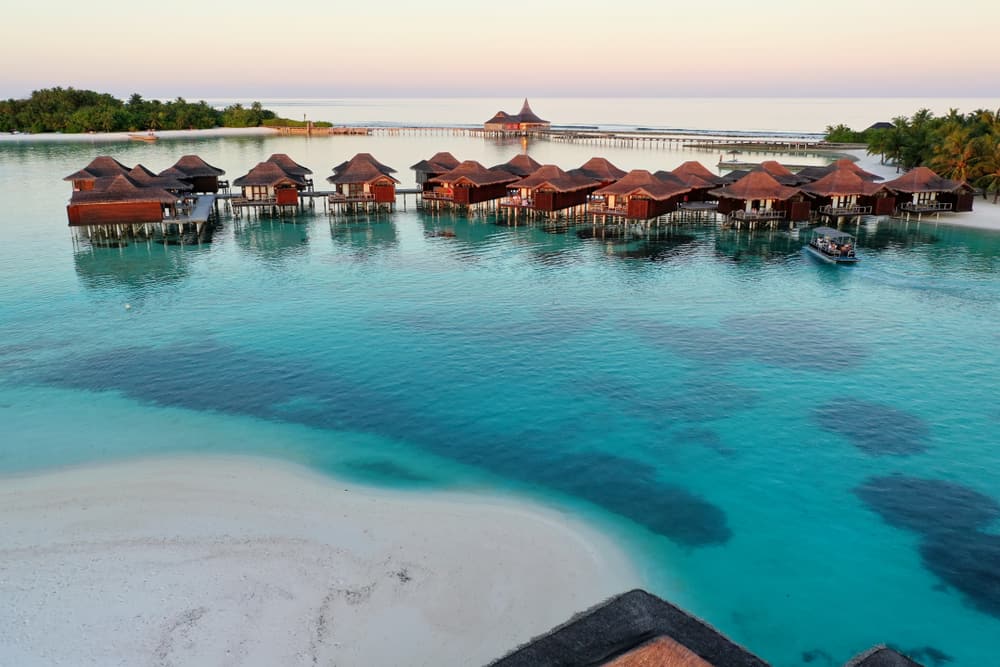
(432, 195)
(350, 199)
(925, 207)
(845, 210)
(600, 208)
(517, 202)
(756, 216)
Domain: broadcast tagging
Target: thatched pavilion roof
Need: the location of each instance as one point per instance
(755, 185)
(100, 167)
(147, 178)
(474, 173)
(121, 188)
(672, 179)
(269, 174)
(842, 182)
(366, 158)
(816, 173)
(526, 115)
(519, 165)
(600, 169)
(881, 656)
(194, 167)
(499, 117)
(625, 625)
(696, 174)
(641, 182)
(437, 163)
(922, 179)
(288, 165)
(551, 177)
(779, 172)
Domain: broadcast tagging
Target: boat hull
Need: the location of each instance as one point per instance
(829, 258)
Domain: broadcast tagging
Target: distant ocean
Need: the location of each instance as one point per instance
(804, 455)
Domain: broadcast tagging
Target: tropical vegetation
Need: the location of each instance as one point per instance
(963, 147)
(73, 110)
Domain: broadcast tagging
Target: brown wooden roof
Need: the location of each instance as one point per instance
(816, 173)
(269, 174)
(366, 158)
(842, 182)
(362, 168)
(551, 177)
(474, 173)
(499, 117)
(696, 174)
(437, 163)
(100, 167)
(756, 185)
(600, 169)
(289, 166)
(519, 165)
(121, 188)
(641, 182)
(526, 115)
(922, 179)
(194, 167)
(673, 179)
(147, 178)
(659, 652)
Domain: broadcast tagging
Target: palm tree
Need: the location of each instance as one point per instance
(956, 156)
(989, 166)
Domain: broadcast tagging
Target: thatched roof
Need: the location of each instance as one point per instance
(734, 175)
(519, 165)
(842, 182)
(194, 167)
(672, 179)
(269, 174)
(100, 167)
(147, 178)
(696, 175)
(922, 179)
(121, 188)
(600, 169)
(526, 115)
(779, 172)
(499, 117)
(474, 173)
(816, 173)
(622, 625)
(641, 182)
(880, 656)
(366, 158)
(659, 652)
(436, 164)
(551, 177)
(755, 185)
(289, 166)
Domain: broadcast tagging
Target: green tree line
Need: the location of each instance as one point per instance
(963, 147)
(72, 110)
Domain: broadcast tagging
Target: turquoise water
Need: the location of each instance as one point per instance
(756, 428)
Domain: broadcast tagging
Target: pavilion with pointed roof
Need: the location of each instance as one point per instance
(525, 121)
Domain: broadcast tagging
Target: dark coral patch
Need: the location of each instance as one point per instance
(703, 437)
(970, 562)
(873, 427)
(928, 506)
(382, 470)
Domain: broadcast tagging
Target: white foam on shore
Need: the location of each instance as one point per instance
(241, 560)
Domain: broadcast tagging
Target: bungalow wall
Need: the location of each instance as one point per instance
(466, 195)
(384, 193)
(882, 204)
(795, 210)
(639, 208)
(113, 213)
(206, 184)
(960, 201)
(548, 200)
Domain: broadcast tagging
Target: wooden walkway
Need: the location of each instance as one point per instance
(200, 212)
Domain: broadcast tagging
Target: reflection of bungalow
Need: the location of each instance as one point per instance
(436, 165)
(119, 200)
(600, 170)
(519, 165)
(759, 198)
(639, 195)
(100, 167)
(526, 121)
(202, 176)
(550, 189)
(468, 184)
(844, 193)
(293, 169)
(267, 183)
(363, 183)
(816, 173)
(920, 190)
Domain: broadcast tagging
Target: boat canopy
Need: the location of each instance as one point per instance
(831, 233)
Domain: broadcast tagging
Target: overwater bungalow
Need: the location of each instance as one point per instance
(119, 200)
(696, 175)
(520, 165)
(363, 184)
(102, 166)
(267, 184)
(845, 194)
(202, 176)
(524, 122)
(815, 173)
(550, 189)
(921, 190)
(467, 185)
(600, 170)
(639, 195)
(435, 165)
(149, 179)
(758, 199)
(293, 169)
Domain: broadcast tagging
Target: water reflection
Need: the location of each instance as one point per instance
(273, 242)
(364, 236)
(136, 267)
(751, 247)
(655, 244)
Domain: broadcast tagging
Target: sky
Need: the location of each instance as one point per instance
(397, 48)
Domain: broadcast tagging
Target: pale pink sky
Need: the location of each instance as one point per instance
(584, 48)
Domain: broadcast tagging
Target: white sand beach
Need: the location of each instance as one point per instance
(245, 561)
(103, 137)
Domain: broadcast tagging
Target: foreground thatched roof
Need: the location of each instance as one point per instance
(437, 163)
(641, 182)
(623, 625)
(922, 179)
(696, 175)
(599, 169)
(147, 178)
(551, 177)
(519, 165)
(474, 173)
(779, 172)
(756, 185)
(194, 167)
(121, 188)
(269, 174)
(881, 656)
(288, 165)
(362, 168)
(101, 166)
(366, 158)
(842, 182)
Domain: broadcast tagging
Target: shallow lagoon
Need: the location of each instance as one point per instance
(717, 400)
